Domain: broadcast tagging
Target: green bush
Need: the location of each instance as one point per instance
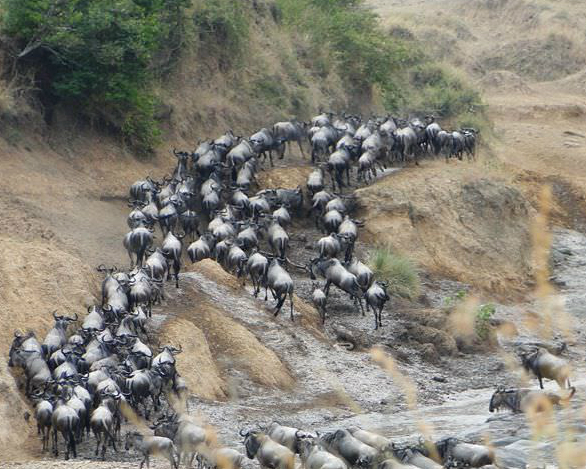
(223, 28)
(96, 55)
(397, 270)
(365, 56)
(482, 320)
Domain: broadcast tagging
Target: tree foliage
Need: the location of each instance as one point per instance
(96, 55)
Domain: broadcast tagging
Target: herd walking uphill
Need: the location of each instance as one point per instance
(85, 381)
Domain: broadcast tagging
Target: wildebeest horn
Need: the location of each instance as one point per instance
(243, 433)
(17, 334)
(55, 316)
(101, 268)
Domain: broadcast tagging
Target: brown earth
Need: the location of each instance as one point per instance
(455, 220)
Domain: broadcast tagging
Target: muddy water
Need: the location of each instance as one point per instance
(337, 388)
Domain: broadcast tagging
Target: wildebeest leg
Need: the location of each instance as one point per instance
(280, 303)
(291, 301)
(339, 176)
(360, 305)
(97, 436)
(301, 148)
(348, 174)
(271, 158)
(55, 447)
(327, 287)
(540, 380)
(380, 316)
(333, 181)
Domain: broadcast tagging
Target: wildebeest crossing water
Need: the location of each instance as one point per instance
(110, 362)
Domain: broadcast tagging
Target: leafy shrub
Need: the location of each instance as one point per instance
(482, 320)
(365, 56)
(95, 55)
(223, 27)
(397, 270)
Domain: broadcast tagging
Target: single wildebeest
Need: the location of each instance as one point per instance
(289, 132)
(280, 283)
(339, 163)
(257, 267)
(137, 242)
(152, 445)
(376, 297)
(202, 248)
(316, 457)
(371, 439)
(457, 144)
(43, 415)
(455, 451)
(315, 181)
(545, 365)
(65, 421)
(222, 458)
(287, 436)
(431, 133)
(319, 299)
(329, 246)
(352, 450)
(269, 453)
(521, 400)
(56, 337)
(171, 249)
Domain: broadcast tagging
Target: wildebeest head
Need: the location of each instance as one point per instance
(529, 359)
(503, 398)
(252, 442)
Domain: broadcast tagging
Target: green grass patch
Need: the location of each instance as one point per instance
(397, 270)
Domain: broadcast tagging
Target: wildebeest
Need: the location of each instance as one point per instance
(64, 420)
(280, 283)
(314, 456)
(269, 453)
(545, 365)
(456, 451)
(137, 242)
(152, 445)
(292, 131)
(521, 400)
(352, 450)
(371, 439)
(376, 297)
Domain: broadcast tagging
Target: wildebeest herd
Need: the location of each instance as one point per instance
(81, 382)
